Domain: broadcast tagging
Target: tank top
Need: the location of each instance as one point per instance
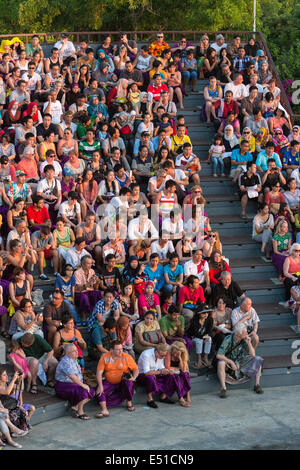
(63, 240)
(213, 94)
(21, 291)
(89, 237)
(166, 203)
(45, 149)
(294, 267)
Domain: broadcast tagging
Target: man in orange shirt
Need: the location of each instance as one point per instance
(28, 165)
(156, 47)
(115, 388)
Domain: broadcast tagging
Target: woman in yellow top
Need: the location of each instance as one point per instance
(158, 68)
(247, 135)
(47, 144)
(147, 325)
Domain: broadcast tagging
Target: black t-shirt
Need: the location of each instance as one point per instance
(247, 181)
(229, 295)
(41, 131)
(109, 278)
(56, 314)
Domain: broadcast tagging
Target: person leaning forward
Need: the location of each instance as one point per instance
(120, 372)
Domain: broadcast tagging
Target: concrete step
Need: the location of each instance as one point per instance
(232, 218)
(277, 333)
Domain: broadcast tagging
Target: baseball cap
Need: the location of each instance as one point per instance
(67, 172)
(20, 173)
(260, 52)
(65, 35)
(145, 133)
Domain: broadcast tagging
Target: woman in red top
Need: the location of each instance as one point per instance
(274, 198)
(216, 266)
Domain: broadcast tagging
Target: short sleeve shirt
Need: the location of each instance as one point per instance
(38, 348)
(170, 327)
(115, 368)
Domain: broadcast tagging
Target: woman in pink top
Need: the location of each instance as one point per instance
(18, 359)
(149, 301)
(88, 191)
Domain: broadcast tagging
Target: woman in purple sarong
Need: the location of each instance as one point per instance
(69, 383)
(86, 288)
(157, 379)
(177, 360)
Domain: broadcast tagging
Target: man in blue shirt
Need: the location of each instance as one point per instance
(155, 272)
(239, 159)
(264, 156)
(291, 158)
(173, 273)
(145, 140)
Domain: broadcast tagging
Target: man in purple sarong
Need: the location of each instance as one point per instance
(120, 372)
(157, 378)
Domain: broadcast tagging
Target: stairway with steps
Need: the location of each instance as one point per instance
(249, 268)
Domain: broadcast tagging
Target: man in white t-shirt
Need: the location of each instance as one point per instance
(162, 247)
(50, 188)
(219, 44)
(253, 82)
(66, 48)
(33, 79)
(53, 107)
(70, 210)
(118, 204)
(141, 226)
(237, 87)
(198, 267)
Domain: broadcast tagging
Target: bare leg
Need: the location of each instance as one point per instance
(221, 374)
(55, 260)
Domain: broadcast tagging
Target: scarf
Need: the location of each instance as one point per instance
(150, 297)
(278, 139)
(93, 110)
(232, 139)
(121, 90)
(28, 112)
(14, 116)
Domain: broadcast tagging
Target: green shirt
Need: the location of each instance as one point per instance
(38, 348)
(282, 241)
(232, 349)
(87, 149)
(30, 50)
(170, 327)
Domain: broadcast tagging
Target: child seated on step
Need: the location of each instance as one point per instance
(215, 156)
(18, 359)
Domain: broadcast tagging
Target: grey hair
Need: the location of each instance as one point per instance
(238, 329)
(28, 149)
(225, 274)
(68, 346)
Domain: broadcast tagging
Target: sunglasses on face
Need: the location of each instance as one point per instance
(278, 133)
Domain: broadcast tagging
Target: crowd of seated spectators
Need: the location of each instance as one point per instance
(101, 186)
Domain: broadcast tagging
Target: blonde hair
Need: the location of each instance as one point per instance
(295, 246)
(161, 347)
(179, 346)
(279, 225)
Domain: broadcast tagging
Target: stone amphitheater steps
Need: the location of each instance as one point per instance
(248, 265)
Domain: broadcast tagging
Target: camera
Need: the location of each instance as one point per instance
(20, 373)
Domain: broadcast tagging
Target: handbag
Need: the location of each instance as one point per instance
(154, 337)
(8, 402)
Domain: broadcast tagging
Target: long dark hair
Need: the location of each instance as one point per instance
(91, 181)
(114, 183)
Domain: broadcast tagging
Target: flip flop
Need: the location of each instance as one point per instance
(185, 404)
(101, 415)
(84, 417)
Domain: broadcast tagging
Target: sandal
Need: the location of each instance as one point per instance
(74, 413)
(185, 404)
(34, 389)
(101, 415)
(131, 408)
(50, 383)
(84, 417)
